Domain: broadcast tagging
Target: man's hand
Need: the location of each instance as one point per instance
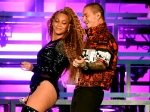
(79, 62)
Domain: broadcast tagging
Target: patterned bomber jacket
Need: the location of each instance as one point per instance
(100, 46)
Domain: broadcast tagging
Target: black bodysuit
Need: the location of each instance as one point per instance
(51, 61)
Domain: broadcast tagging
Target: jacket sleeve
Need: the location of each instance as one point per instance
(101, 57)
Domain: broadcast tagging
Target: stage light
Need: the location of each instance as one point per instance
(107, 110)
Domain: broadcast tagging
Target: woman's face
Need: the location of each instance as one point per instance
(61, 24)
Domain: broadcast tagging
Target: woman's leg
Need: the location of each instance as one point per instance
(43, 98)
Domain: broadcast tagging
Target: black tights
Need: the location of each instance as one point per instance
(28, 109)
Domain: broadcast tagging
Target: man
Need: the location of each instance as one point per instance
(98, 63)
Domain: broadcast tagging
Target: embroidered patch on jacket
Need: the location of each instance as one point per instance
(92, 55)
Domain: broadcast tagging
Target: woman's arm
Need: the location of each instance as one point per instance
(35, 68)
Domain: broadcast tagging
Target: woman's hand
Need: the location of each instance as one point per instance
(27, 66)
(24, 100)
(79, 62)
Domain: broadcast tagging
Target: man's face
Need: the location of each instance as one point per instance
(89, 18)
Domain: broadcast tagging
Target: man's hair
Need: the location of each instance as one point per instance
(96, 7)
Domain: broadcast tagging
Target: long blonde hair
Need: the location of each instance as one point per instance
(73, 42)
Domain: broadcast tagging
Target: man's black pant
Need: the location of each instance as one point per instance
(87, 99)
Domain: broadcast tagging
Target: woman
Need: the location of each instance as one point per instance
(66, 43)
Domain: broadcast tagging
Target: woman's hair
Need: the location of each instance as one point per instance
(73, 41)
